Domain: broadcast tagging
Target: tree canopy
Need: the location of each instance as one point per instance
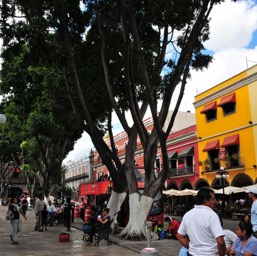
(103, 56)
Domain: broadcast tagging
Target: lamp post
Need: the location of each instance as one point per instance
(2, 118)
(222, 174)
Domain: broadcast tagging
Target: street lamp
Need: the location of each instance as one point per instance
(222, 174)
(2, 118)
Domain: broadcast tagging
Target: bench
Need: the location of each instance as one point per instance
(102, 232)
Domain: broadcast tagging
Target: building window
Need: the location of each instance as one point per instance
(210, 111)
(211, 115)
(231, 145)
(98, 160)
(228, 104)
(213, 155)
(229, 108)
(232, 156)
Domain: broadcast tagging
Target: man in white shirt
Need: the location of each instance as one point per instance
(39, 207)
(252, 194)
(200, 230)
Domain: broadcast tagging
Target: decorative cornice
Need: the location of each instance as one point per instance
(228, 89)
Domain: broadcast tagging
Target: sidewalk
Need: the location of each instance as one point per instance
(166, 247)
(34, 243)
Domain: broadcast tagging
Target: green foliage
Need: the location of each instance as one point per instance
(59, 53)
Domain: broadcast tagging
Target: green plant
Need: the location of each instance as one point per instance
(206, 161)
(225, 158)
(216, 160)
(234, 155)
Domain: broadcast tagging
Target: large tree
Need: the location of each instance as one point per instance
(40, 124)
(122, 56)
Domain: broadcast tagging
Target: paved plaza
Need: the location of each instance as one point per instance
(33, 243)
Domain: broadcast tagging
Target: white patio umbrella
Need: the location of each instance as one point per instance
(250, 186)
(229, 190)
(171, 192)
(185, 192)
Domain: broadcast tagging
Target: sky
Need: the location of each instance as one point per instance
(233, 44)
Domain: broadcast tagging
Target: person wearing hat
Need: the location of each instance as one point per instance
(252, 194)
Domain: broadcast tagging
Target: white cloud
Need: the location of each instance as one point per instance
(231, 30)
(81, 148)
(232, 25)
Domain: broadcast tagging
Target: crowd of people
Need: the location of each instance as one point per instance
(53, 213)
(201, 231)
(47, 214)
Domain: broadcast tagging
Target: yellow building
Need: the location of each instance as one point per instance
(226, 118)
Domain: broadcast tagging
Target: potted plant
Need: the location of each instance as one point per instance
(200, 163)
(225, 158)
(206, 162)
(216, 160)
(235, 156)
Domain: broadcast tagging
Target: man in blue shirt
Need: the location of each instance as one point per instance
(252, 194)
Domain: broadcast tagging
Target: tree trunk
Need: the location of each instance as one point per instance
(114, 205)
(139, 209)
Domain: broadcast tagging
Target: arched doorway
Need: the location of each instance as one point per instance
(242, 180)
(217, 183)
(201, 183)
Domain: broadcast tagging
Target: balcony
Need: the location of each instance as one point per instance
(186, 170)
(227, 162)
(233, 162)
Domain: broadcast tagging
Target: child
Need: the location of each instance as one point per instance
(157, 229)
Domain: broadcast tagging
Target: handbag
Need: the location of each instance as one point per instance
(9, 215)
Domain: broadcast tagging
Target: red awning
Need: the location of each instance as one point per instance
(227, 99)
(208, 107)
(231, 140)
(211, 145)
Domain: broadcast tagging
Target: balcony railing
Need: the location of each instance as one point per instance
(187, 170)
(228, 163)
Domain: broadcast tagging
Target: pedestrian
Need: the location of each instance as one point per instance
(229, 238)
(200, 230)
(252, 194)
(51, 213)
(67, 212)
(91, 226)
(15, 221)
(246, 243)
(44, 218)
(82, 206)
(173, 228)
(39, 207)
(24, 205)
(105, 217)
(246, 218)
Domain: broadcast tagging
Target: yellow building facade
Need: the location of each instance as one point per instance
(226, 118)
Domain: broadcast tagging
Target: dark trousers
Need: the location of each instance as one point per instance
(81, 214)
